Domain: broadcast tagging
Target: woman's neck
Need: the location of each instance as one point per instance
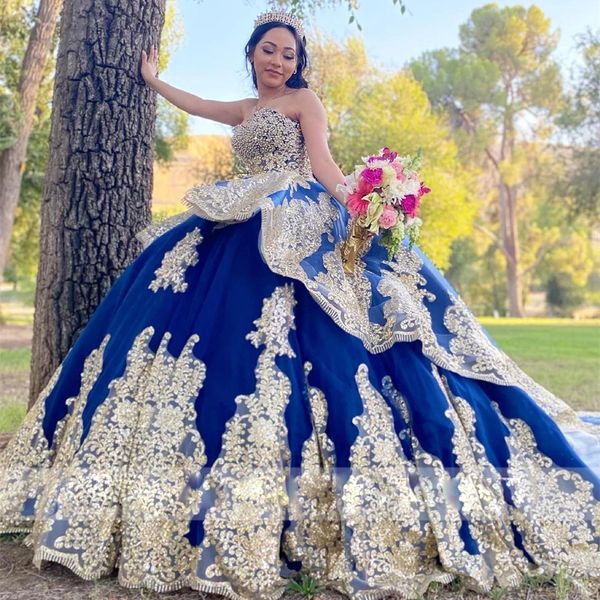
(266, 94)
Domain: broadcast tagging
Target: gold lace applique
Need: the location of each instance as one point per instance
(271, 141)
(175, 263)
(315, 536)
(554, 508)
(243, 527)
(123, 492)
(481, 498)
(147, 235)
(24, 464)
(293, 231)
(391, 540)
(238, 199)
(472, 349)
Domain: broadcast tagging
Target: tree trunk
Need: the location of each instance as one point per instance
(12, 160)
(97, 189)
(510, 242)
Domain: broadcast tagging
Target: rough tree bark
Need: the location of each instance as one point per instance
(98, 183)
(12, 160)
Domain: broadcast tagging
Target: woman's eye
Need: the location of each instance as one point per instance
(267, 51)
(288, 57)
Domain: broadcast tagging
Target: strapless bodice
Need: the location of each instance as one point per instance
(271, 141)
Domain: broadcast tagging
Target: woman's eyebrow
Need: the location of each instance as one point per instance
(274, 44)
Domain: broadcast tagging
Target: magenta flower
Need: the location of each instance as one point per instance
(356, 205)
(423, 190)
(410, 205)
(373, 177)
(387, 154)
(364, 187)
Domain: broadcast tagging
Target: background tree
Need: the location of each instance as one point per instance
(23, 101)
(171, 131)
(369, 109)
(580, 122)
(500, 86)
(303, 7)
(98, 183)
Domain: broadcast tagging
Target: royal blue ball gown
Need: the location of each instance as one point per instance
(239, 410)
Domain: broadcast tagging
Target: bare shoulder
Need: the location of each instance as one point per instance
(309, 106)
(308, 101)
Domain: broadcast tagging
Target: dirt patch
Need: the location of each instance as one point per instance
(15, 387)
(15, 336)
(21, 580)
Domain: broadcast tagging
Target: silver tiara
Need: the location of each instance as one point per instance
(280, 16)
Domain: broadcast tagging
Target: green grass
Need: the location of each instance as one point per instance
(14, 361)
(14, 368)
(561, 355)
(11, 416)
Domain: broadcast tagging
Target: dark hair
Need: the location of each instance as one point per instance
(297, 79)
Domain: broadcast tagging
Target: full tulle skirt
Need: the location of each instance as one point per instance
(239, 410)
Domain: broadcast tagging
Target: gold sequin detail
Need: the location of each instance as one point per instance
(243, 527)
(270, 141)
(175, 263)
(293, 231)
(554, 508)
(315, 536)
(121, 497)
(391, 541)
(147, 235)
(25, 463)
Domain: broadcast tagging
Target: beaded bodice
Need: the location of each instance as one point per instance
(270, 141)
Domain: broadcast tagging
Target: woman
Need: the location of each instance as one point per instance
(239, 409)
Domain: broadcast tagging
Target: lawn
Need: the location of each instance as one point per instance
(561, 354)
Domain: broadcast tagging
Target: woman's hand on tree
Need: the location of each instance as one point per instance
(149, 64)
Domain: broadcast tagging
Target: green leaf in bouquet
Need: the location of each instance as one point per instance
(413, 236)
(415, 160)
(392, 238)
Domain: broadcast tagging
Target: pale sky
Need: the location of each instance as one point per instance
(210, 60)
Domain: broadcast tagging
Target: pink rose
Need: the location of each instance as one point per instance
(356, 205)
(372, 176)
(388, 217)
(410, 205)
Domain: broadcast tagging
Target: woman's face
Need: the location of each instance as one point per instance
(274, 57)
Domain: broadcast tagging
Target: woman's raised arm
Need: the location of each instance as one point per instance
(313, 121)
(230, 113)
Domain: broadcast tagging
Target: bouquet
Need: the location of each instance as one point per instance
(382, 195)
